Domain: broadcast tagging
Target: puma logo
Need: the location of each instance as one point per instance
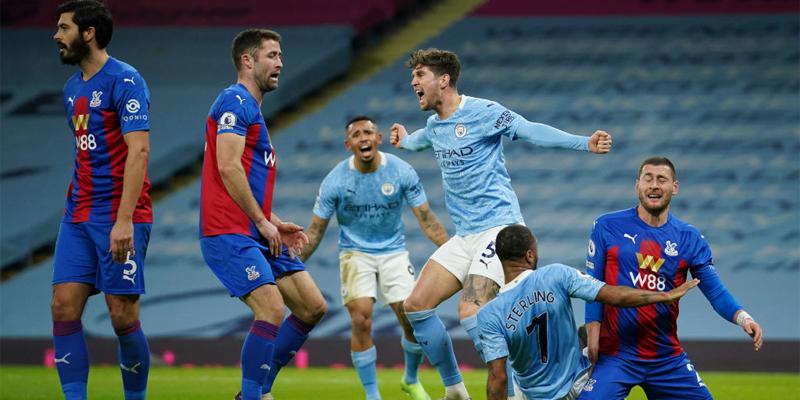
(62, 359)
(131, 369)
(129, 80)
(632, 238)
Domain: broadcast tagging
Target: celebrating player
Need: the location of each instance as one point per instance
(530, 322)
(466, 136)
(649, 248)
(367, 191)
(249, 249)
(103, 236)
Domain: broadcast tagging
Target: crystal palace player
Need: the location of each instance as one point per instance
(649, 248)
(103, 236)
(466, 136)
(249, 249)
(530, 322)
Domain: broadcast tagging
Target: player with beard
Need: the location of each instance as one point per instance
(366, 192)
(250, 250)
(466, 136)
(647, 247)
(103, 236)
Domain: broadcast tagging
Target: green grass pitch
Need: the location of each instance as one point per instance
(24, 382)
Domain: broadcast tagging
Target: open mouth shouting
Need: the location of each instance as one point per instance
(366, 151)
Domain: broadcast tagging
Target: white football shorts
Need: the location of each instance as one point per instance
(363, 274)
(472, 254)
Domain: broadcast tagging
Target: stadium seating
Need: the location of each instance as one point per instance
(717, 94)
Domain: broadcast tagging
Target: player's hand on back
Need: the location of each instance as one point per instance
(398, 132)
(121, 241)
(600, 142)
(681, 290)
(273, 237)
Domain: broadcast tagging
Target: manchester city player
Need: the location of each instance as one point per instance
(104, 234)
(649, 248)
(466, 136)
(530, 322)
(366, 192)
(250, 249)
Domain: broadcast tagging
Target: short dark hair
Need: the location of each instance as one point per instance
(658, 160)
(90, 13)
(513, 242)
(439, 61)
(249, 41)
(358, 118)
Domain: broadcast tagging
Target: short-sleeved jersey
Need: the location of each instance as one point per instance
(369, 207)
(100, 111)
(625, 251)
(468, 147)
(531, 322)
(236, 112)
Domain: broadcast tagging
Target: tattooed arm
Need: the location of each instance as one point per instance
(478, 290)
(314, 232)
(430, 224)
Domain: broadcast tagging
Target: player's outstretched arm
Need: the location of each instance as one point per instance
(750, 327)
(600, 142)
(623, 296)
(497, 381)
(230, 147)
(121, 237)
(430, 224)
(316, 230)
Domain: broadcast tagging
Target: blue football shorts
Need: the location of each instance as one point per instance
(242, 263)
(82, 255)
(670, 378)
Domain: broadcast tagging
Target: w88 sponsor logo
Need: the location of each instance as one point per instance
(85, 142)
(648, 281)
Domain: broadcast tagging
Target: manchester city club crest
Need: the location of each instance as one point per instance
(387, 189)
(461, 130)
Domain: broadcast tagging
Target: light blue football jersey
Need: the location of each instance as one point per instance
(531, 322)
(369, 207)
(468, 147)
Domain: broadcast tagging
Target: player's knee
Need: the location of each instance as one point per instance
(271, 313)
(64, 310)
(312, 312)
(412, 304)
(121, 317)
(362, 323)
(318, 310)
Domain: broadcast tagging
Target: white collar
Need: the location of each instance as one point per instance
(463, 101)
(352, 161)
(510, 285)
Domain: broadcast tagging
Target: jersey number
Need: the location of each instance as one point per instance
(86, 142)
(540, 322)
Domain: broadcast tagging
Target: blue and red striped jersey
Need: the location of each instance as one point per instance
(236, 111)
(100, 111)
(624, 250)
